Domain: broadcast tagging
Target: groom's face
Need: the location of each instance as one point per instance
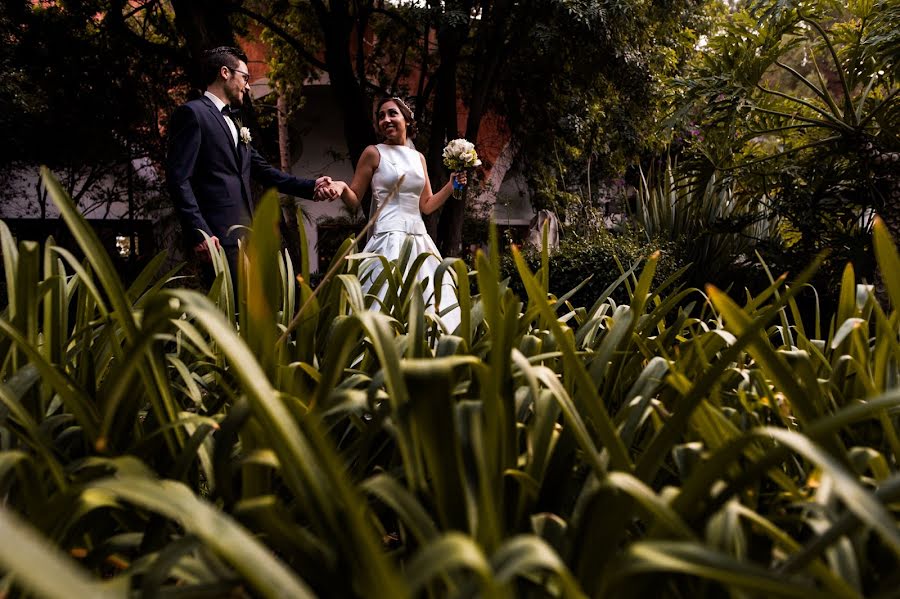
(237, 83)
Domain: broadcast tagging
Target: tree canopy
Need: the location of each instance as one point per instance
(576, 83)
(796, 104)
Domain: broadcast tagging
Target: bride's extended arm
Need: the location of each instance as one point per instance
(362, 178)
(428, 201)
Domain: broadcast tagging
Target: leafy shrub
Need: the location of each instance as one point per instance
(600, 257)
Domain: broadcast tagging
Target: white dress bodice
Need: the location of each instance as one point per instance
(402, 213)
(401, 223)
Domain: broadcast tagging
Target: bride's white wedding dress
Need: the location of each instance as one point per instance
(401, 220)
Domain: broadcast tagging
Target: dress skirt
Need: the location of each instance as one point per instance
(390, 245)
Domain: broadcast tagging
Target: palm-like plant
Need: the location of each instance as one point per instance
(799, 100)
(700, 213)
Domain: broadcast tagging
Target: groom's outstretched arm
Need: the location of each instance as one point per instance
(184, 147)
(269, 176)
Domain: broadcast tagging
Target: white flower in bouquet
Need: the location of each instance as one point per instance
(460, 155)
(245, 135)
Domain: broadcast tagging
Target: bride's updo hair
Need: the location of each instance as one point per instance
(405, 110)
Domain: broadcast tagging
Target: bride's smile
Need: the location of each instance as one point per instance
(392, 123)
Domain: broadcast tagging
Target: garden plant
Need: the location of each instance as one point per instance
(284, 442)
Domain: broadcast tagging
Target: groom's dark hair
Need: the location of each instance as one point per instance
(215, 59)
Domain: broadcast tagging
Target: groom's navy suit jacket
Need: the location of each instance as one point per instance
(209, 178)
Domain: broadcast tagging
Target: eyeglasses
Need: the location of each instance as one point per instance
(245, 76)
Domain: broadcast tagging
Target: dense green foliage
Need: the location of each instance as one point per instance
(795, 105)
(592, 266)
(152, 440)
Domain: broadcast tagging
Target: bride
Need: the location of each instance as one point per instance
(380, 167)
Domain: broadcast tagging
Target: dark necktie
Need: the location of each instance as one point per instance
(234, 113)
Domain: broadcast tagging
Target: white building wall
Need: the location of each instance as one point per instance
(323, 151)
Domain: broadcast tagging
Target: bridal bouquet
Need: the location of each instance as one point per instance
(460, 155)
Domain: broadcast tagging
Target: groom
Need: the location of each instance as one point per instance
(210, 161)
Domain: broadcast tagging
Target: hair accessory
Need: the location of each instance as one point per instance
(412, 115)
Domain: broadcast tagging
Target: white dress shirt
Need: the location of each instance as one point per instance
(219, 106)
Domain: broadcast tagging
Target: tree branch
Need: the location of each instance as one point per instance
(395, 17)
(283, 34)
(143, 6)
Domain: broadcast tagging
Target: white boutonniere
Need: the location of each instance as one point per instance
(245, 135)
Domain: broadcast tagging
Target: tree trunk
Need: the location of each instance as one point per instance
(489, 55)
(889, 213)
(349, 92)
(444, 128)
(291, 233)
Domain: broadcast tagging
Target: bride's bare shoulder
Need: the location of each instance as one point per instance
(371, 156)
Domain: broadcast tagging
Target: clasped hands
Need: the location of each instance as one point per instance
(329, 189)
(326, 189)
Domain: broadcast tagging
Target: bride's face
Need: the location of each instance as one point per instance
(392, 123)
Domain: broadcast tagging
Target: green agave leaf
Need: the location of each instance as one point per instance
(19, 468)
(451, 552)
(310, 554)
(75, 399)
(643, 390)
(10, 265)
(94, 252)
(42, 446)
(777, 368)
(29, 291)
(857, 499)
(146, 276)
(415, 326)
(542, 430)
(289, 288)
(527, 555)
(353, 292)
(304, 244)
(410, 281)
(259, 567)
(404, 504)
(697, 488)
(264, 284)
(569, 409)
(55, 330)
(592, 404)
(166, 564)
(190, 383)
(309, 465)
(696, 560)
(835, 584)
(845, 329)
(429, 420)
(888, 260)
(463, 294)
(152, 367)
(847, 307)
(661, 512)
(43, 569)
(197, 340)
(118, 388)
